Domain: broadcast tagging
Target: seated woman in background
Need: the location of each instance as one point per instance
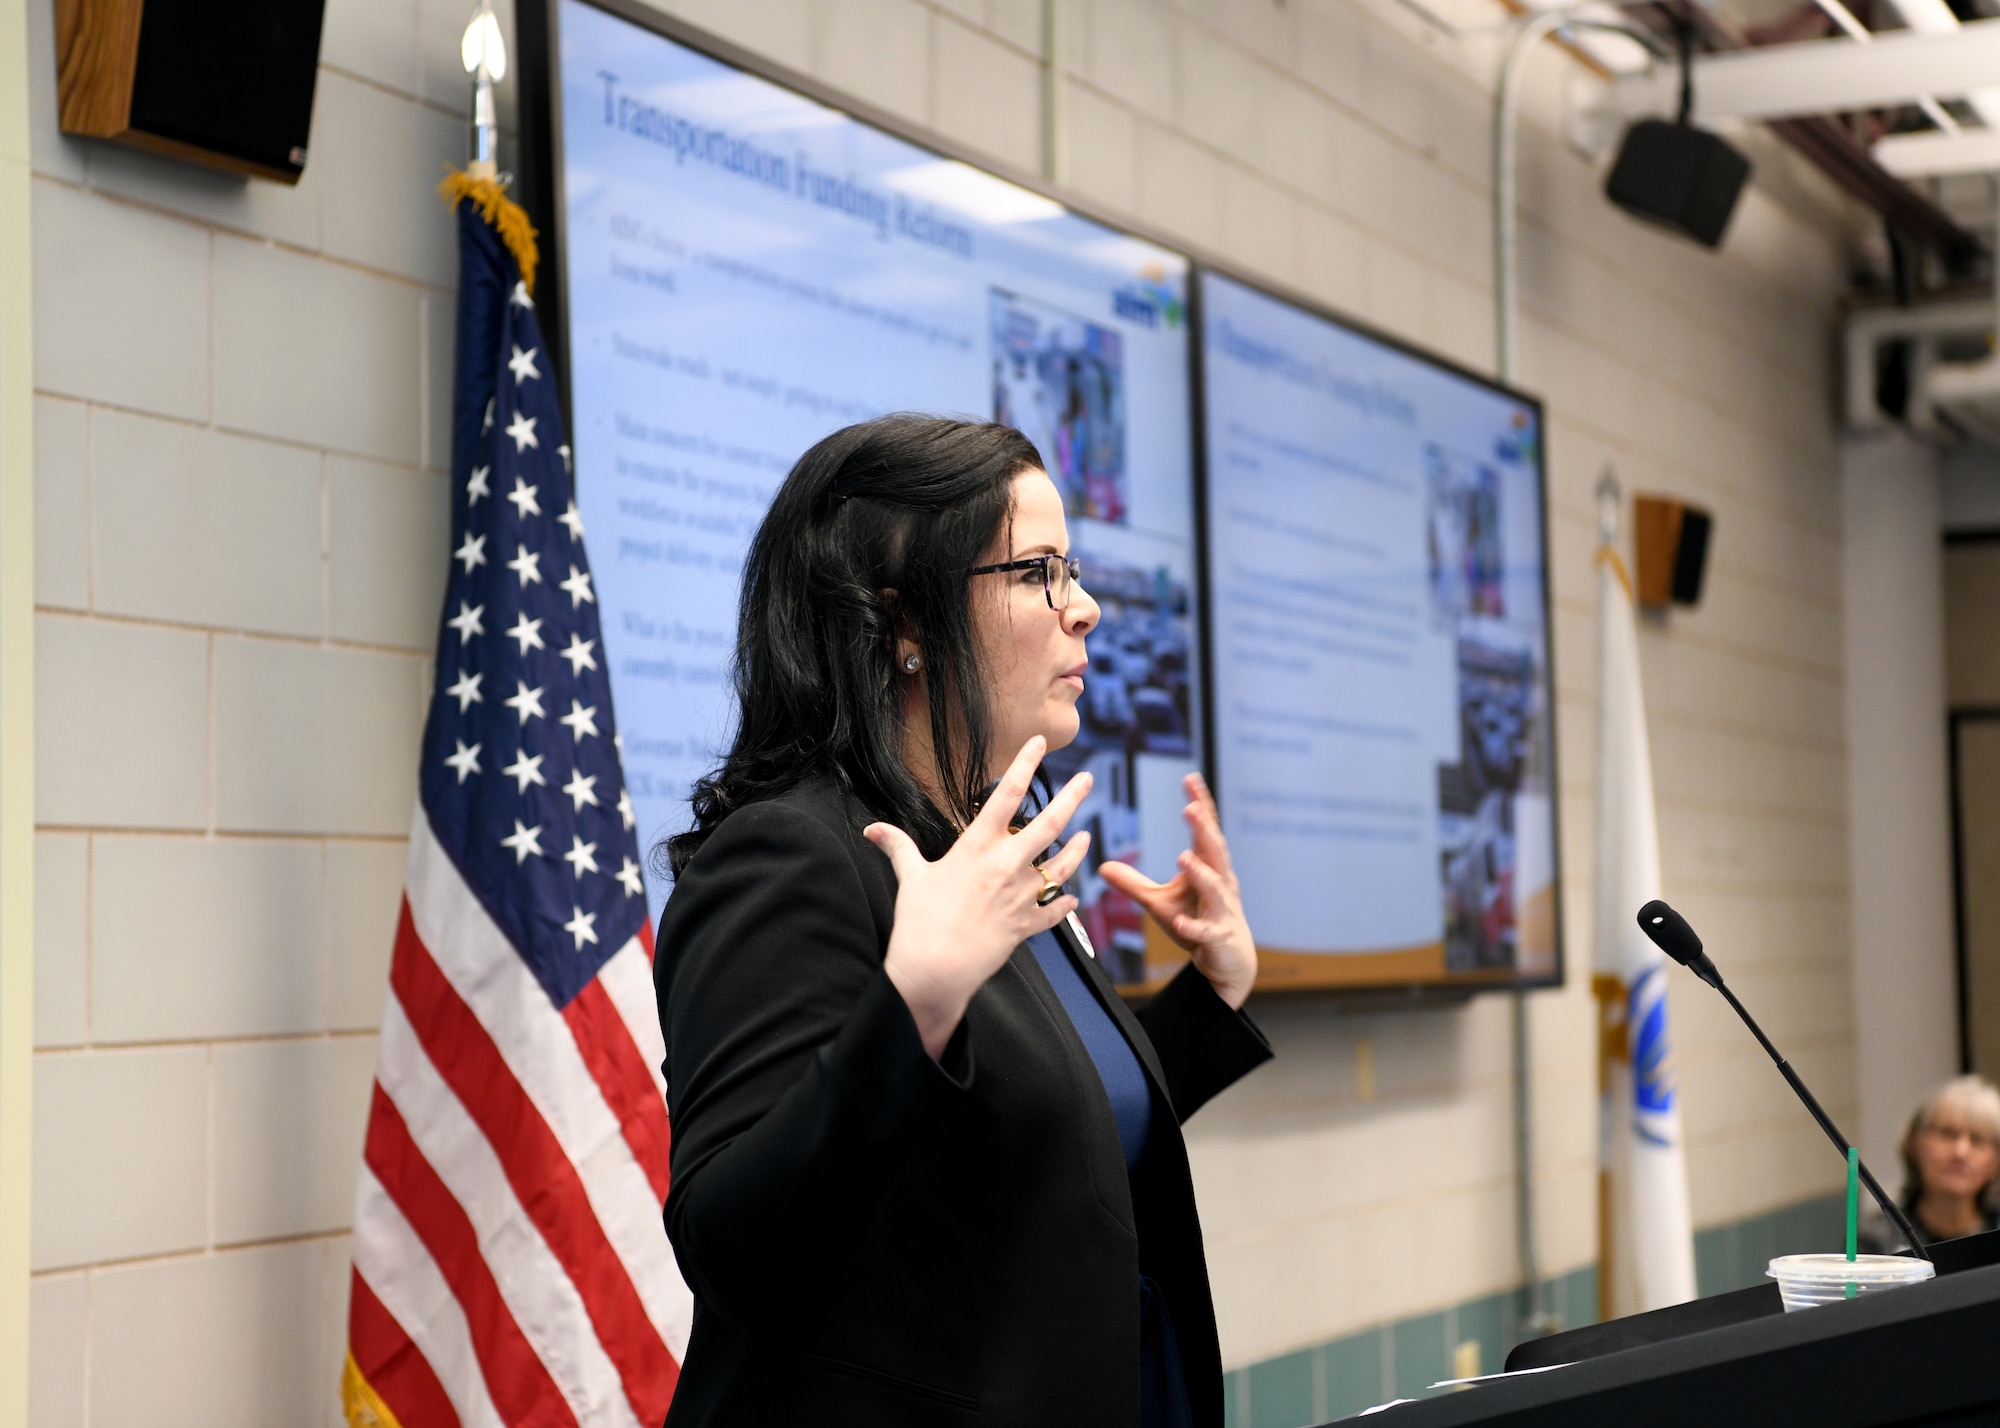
(1951, 1157)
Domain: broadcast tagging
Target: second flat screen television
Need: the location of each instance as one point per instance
(1379, 618)
(747, 269)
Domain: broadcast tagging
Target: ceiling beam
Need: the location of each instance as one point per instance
(1929, 155)
(1824, 76)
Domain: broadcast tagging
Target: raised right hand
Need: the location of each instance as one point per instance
(960, 918)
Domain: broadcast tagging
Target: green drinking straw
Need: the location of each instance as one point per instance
(1853, 1208)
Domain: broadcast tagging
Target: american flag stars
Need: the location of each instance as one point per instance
(524, 787)
(466, 690)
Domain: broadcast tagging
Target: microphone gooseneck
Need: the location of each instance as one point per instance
(1670, 932)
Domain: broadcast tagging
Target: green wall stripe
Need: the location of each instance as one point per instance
(1345, 1375)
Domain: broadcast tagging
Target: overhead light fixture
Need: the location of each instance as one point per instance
(1676, 175)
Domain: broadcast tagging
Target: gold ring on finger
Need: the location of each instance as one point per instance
(1050, 891)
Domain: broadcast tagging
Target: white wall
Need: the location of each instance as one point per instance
(1899, 841)
(239, 536)
(1970, 480)
(241, 426)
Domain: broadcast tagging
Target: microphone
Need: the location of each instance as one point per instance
(1672, 935)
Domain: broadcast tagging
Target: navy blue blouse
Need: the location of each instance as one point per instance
(1163, 1401)
(1124, 1078)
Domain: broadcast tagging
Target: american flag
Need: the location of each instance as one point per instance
(510, 1266)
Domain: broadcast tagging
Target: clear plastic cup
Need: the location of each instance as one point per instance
(1806, 1281)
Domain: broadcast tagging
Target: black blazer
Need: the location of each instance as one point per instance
(875, 1238)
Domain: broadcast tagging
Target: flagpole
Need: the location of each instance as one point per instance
(1613, 1043)
(484, 55)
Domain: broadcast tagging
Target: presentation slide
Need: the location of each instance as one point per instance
(1380, 638)
(747, 270)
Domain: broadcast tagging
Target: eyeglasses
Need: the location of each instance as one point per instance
(1061, 574)
(1951, 1135)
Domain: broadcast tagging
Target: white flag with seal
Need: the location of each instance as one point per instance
(1647, 1245)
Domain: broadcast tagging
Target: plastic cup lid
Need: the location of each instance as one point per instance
(1839, 1269)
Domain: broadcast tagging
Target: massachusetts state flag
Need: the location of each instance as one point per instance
(1648, 1242)
(510, 1266)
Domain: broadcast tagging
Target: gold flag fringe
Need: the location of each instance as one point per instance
(508, 218)
(365, 1408)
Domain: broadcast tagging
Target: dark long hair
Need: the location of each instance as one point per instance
(903, 503)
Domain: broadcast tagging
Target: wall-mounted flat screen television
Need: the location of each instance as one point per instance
(746, 267)
(1377, 569)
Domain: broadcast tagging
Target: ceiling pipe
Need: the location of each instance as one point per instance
(1506, 305)
(1506, 118)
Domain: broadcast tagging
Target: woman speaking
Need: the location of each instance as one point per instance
(927, 1167)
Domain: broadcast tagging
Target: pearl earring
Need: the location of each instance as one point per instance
(912, 663)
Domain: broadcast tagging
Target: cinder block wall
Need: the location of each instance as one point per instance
(241, 429)
(241, 426)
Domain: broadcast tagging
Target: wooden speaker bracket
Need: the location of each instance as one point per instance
(1656, 535)
(97, 57)
(97, 51)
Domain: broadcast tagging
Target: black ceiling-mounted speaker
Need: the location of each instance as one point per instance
(1677, 175)
(228, 83)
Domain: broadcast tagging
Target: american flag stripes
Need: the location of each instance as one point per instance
(510, 1267)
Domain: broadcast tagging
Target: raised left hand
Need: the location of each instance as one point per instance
(1202, 907)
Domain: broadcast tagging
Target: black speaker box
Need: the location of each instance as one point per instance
(1677, 175)
(1670, 539)
(227, 83)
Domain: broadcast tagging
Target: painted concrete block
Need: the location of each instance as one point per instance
(1179, 185)
(376, 40)
(62, 503)
(988, 96)
(121, 725)
(312, 740)
(289, 213)
(1103, 156)
(204, 937)
(316, 352)
(781, 29)
(380, 157)
(365, 898)
(51, 152)
(289, 1118)
(1131, 54)
(62, 939)
(879, 50)
(121, 303)
(58, 1351)
(165, 1336)
(202, 527)
(121, 1155)
(439, 315)
(388, 545)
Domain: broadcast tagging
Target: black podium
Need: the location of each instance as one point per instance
(1928, 1353)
